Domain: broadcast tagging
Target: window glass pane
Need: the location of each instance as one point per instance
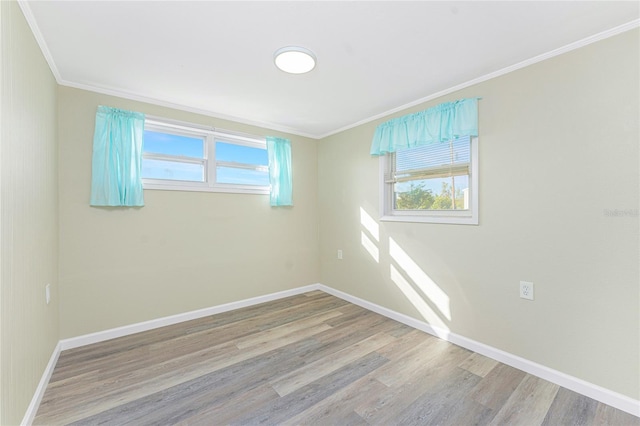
(433, 177)
(173, 170)
(432, 194)
(230, 152)
(241, 176)
(434, 155)
(170, 144)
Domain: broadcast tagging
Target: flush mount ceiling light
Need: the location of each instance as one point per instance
(294, 59)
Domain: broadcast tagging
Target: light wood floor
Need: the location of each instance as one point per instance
(307, 359)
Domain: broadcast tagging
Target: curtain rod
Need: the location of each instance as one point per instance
(190, 126)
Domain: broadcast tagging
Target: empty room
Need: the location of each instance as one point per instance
(320, 212)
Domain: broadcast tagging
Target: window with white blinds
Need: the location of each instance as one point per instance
(432, 183)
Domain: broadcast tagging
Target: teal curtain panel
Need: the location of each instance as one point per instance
(441, 123)
(117, 158)
(280, 176)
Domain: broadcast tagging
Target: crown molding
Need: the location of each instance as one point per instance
(26, 10)
(542, 57)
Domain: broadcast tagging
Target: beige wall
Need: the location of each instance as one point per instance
(558, 146)
(183, 250)
(28, 215)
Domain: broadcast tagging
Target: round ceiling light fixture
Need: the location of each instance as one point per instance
(294, 59)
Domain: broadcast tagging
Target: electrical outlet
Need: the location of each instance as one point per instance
(526, 290)
(340, 254)
(47, 293)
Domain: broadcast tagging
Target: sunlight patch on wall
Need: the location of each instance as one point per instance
(373, 229)
(439, 327)
(370, 224)
(426, 285)
(370, 247)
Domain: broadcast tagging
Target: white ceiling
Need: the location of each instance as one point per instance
(373, 57)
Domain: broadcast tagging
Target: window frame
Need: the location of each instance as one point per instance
(459, 217)
(210, 136)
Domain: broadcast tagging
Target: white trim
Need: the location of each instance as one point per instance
(209, 137)
(37, 34)
(559, 51)
(178, 185)
(181, 107)
(32, 409)
(202, 129)
(606, 396)
(126, 330)
(448, 220)
(33, 24)
(26, 10)
(153, 120)
(451, 217)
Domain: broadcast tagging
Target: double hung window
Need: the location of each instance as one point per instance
(432, 183)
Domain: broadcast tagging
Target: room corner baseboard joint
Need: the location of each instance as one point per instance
(598, 393)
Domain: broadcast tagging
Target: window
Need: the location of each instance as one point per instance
(178, 156)
(435, 183)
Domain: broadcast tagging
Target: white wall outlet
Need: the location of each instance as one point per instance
(47, 293)
(526, 290)
(340, 254)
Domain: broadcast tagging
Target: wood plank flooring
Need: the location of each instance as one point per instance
(306, 359)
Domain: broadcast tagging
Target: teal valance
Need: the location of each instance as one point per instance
(441, 123)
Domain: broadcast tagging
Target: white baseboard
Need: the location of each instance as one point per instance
(126, 330)
(101, 336)
(32, 409)
(606, 396)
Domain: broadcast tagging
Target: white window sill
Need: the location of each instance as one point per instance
(203, 187)
(467, 220)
